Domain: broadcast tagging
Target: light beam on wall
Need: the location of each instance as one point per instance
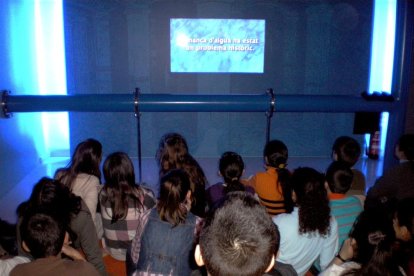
(382, 54)
(38, 64)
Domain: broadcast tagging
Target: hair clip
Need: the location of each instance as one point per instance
(282, 166)
(376, 237)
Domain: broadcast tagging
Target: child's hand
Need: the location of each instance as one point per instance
(347, 249)
(72, 252)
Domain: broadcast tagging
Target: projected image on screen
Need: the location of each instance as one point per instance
(217, 45)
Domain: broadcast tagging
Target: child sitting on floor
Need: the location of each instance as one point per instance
(344, 208)
(347, 150)
(239, 238)
(44, 237)
(272, 186)
(231, 168)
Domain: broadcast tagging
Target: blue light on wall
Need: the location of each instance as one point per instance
(382, 54)
(38, 65)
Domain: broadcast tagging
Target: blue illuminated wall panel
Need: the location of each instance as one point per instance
(312, 47)
(32, 59)
(18, 151)
(382, 55)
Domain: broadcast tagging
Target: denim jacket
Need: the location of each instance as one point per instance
(165, 249)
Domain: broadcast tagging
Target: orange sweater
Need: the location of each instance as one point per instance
(267, 187)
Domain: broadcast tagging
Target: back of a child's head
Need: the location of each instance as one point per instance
(405, 215)
(120, 188)
(231, 167)
(275, 154)
(171, 151)
(339, 177)
(312, 200)
(42, 234)
(375, 244)
(370, 228)
(118, 171)
(406, 145)
(346, 149)
(51, 196)
(240, 237)
(194, 171)
(174, 189)
(87, 157)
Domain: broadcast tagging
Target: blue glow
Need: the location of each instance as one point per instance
(382, 54)
(38, 65)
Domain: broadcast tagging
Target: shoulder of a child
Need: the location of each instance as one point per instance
(250, 181)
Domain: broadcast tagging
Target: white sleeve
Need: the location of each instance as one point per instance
(337, 270)
(330, 246)
(7, 265)
(284, 237)
(333, 270)
(91, 196)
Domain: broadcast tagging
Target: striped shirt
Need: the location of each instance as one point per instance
(267, 187)
(119, 234)
(345, 209)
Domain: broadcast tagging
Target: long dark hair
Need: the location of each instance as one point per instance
(52, 197)
(85, 159)
(171, 151)
(375, 240)
(174, 187)
(173, 154)
(231, 167)
(276, 156)
(120, 187)
(312, 200)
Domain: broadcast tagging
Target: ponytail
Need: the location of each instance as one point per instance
(284, 181)
(383, 260)
(233, 185)
(231, 167)
(276, 155)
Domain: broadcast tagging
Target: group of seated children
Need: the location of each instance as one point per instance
(276, 222)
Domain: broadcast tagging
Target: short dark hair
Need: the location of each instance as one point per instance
(347, 149)
(240, 238)
(52, 197)
(339, 177)
(405, 214)
(43, 234)
(406, 145)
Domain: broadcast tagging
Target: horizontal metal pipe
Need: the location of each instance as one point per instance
(329, 103)
(193, 103)
(203, 103)
(82, 103)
